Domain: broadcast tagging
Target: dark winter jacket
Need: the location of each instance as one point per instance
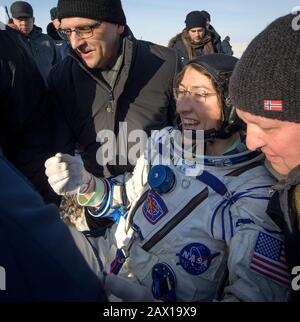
(84, 104)
(40, 261)
(284, 208)
(24, 133)
(216, 38)
(43, 49)
(52, 32)
(187, 50)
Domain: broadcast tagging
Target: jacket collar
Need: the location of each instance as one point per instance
(292, 179)
(35, 32)
(286, 188)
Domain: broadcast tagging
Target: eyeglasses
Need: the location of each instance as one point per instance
(81, 32)
(198, 94)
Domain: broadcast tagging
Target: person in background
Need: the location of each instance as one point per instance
(265, 88)
(53, 26)
(227, 48)
(195, 40)
(41, 46)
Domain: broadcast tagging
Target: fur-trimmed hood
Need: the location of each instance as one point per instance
(174, 40)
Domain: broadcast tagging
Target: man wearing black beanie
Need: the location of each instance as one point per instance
(265, 88)
(195, 40)
(110, 82)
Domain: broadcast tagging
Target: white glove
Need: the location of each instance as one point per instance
(127, 290)
(66, 174)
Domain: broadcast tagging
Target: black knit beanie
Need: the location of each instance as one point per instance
(206, 15)
(195, 19)
(104, 10)
(266, 80)
(53, 13)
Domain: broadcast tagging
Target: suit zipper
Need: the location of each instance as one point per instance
(180, 216)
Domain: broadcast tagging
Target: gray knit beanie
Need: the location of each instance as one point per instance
(266, 80)
(103, 10)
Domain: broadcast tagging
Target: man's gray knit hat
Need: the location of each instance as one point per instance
(266, 80)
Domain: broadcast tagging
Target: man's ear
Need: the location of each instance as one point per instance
(33, 19)
(12, 25)
(121, 29)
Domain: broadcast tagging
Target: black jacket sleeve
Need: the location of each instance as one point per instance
(63, 137)
(37, 251)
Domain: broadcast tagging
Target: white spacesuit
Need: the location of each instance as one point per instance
(208, 238)
(189, 227)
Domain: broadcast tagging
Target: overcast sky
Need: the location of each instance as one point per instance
(160, 20)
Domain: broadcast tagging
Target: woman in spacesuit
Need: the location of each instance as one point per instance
(191, 222)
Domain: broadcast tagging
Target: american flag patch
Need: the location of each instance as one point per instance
(273, 105)
(269, 259)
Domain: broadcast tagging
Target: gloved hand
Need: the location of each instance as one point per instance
(127, 290)
(67, 175)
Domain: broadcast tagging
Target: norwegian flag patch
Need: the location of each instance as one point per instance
(269, 259)
(273, 105)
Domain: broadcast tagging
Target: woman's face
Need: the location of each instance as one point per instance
(200, 110)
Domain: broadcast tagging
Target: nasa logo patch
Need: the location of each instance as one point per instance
(195, 258)
(154, 207)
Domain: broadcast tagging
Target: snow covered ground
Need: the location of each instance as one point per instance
(239, 48)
